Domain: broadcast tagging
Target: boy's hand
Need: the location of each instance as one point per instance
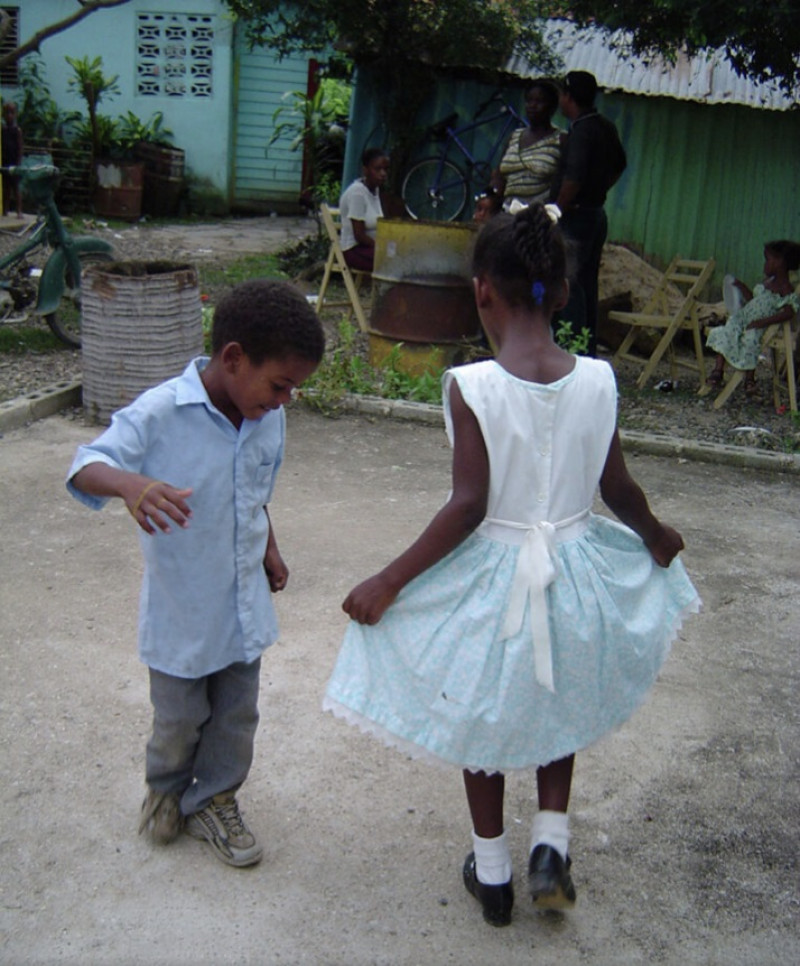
(370, 600)
(153, 504)
(276, 570)
(666, 545)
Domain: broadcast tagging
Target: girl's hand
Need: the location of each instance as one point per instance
(155, 503)
(369, 601)
(665, 545)
(276, 570)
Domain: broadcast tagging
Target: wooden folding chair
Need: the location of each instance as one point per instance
(335, 264)
(777, 344)
(680, 286)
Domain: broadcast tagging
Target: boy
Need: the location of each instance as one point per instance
(195, 460)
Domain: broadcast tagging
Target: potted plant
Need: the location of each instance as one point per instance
(117, 177)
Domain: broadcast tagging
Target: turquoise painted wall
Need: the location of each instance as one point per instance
(200, 125)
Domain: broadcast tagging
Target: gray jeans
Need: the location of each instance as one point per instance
(203, 733)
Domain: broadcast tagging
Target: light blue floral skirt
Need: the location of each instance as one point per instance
(435, 679)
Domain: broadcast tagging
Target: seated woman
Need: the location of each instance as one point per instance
(360, 208)
(774, 300)
(531, 158)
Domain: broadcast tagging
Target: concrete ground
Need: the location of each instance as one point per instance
(686, 822)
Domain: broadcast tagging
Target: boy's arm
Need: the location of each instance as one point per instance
(146, 499)
(626, 499)
(276, 570)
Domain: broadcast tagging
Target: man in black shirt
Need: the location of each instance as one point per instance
(592, 160)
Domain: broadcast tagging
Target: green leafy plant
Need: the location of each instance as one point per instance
(344, 371)
(567, 338)
(94, 86)
(131, 130)
(39, 116)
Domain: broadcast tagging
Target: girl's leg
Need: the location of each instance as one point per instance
(487, 869)
(554, 782)
(485, 797)
(750, 384)
(549, 880)
(717, 373)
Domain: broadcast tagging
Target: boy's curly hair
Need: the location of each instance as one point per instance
(270, 320)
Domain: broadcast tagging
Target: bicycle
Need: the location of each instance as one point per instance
(51, 291)
(437, 188)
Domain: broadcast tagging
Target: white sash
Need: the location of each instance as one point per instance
(537, 568)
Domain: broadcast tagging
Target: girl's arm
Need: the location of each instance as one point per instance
(457, 519)
(146, 499)
(626, 499)
(743, 289)
(782, 315)
(276, 570)
(361, 234)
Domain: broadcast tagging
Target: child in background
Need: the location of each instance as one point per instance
(773, 300)
(12, 148)
(487, 205)
(519, 627)
(195, 461)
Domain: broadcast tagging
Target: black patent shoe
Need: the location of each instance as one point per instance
(496, 900)
(549, 881)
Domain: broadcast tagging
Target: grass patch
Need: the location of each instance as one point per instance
(242, 270)
(19, 339)
(345, 370)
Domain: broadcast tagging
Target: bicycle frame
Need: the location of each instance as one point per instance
(513, 120)
(437, 187)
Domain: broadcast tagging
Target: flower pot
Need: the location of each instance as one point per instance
(141, 325)
(118, 189)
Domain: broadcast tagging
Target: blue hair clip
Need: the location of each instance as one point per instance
(538, 290)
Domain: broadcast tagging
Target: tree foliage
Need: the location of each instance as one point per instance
(458, 32)
(761, 40)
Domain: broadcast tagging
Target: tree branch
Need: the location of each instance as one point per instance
(87, 7)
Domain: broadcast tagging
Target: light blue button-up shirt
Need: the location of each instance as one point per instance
(205, 601)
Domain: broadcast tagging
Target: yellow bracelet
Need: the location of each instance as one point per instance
(142, 495)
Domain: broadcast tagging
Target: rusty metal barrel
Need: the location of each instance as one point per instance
(422, 292)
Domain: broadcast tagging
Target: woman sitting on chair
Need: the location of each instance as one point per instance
(360, 208)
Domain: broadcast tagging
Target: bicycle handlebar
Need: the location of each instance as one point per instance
(30, 170)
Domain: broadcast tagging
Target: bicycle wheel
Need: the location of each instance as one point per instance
(66, 320)
(425, 197)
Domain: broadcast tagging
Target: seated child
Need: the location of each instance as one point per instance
(195, 461)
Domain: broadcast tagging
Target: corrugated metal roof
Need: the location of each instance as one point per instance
(706, 78)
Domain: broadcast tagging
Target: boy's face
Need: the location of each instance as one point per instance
(256, 389)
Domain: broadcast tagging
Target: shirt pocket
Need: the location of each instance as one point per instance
(263, 479)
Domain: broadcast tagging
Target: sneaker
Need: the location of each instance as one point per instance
(161, 817)
(221, 825)
(549, 881)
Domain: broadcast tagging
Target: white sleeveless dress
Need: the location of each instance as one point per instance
(547, 626)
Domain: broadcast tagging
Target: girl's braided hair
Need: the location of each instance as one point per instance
(523, 254)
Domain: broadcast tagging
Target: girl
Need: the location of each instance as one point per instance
(519, 627)
(360, 208)
(773, 300)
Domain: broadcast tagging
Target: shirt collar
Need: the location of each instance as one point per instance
(190, 389)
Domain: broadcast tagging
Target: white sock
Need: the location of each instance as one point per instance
(551, 828)
(492, 859)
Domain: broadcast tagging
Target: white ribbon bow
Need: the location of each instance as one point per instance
(537, 568)
(553, 211)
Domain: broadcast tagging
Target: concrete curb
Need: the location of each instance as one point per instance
(650, 443)
(15, 413)
(38, 404)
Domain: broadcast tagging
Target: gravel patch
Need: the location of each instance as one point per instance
(679, 412)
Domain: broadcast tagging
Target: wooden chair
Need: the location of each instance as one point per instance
(777, 344)
(335, 264)
(681, 285)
